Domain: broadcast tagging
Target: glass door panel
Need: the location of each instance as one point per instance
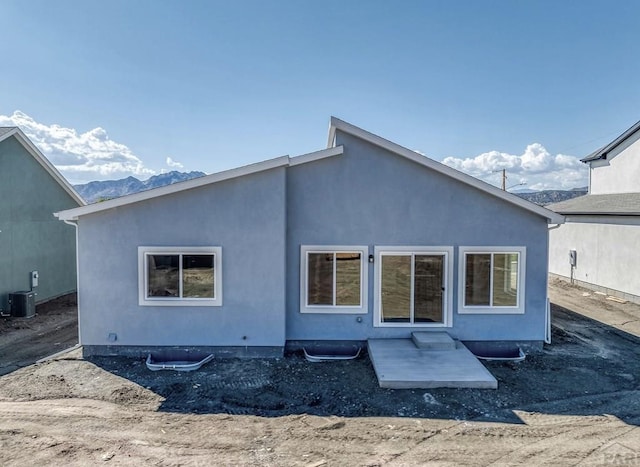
(428, 289)
(396, 289)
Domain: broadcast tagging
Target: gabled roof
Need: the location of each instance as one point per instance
(605, 150)
(283, 161)
(616, 204)
(337, 124)
(7, 132)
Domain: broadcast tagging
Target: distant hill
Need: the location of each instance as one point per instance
(551, 196)
(101, 190)
(523, 190)
(107, 189)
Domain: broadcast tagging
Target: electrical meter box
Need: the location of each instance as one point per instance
(573, 258)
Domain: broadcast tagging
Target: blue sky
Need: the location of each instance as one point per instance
(115, 88)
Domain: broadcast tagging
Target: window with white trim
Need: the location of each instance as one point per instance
(333, 279)
(180, 276)
(492, 279)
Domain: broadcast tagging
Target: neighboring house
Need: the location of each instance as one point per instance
(603, 227)
(365, 239)
(31, 239)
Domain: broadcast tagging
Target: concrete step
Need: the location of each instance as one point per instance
(437, 340)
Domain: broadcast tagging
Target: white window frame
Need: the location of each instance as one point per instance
(144, 300)
(305, 250)
(447, 306)
(484, 309)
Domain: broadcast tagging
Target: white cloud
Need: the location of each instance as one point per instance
(174, 164)
(80, 157)
(535, 166)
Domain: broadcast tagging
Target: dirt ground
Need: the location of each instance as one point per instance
(577, 402)
(25, 340)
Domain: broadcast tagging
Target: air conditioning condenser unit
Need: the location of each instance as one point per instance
(23, 304)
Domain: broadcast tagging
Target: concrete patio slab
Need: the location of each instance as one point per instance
(399, 364)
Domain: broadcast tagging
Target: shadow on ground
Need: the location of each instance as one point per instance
(589, 369)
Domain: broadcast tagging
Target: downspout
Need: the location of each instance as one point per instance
(547, 312)
(547, 315)
(4, 314)
(547, 319)
(75, 224)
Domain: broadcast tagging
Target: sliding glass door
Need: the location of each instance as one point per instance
(412, 287)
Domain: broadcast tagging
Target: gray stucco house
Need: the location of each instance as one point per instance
(31, 239)
(602, 231)
(365, 239)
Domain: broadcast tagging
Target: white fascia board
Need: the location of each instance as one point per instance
(337, 124)
(74, 214)
(602, 219)
(615, 147)
(44, 162)
(331, 137)
(317, 155)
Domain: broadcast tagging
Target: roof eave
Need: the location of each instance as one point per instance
(600, 213)
(604, 151)
(594, 156)
(317, 155)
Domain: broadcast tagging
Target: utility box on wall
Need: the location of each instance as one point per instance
(23, 304)
(573, 258)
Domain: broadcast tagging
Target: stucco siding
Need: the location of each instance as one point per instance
(607, 254)
(619, 172)
(245, 216)
(368, 196)
(31, 238)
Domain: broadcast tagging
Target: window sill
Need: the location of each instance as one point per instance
(412, 325)
(181, 303)
(334, 311)
(490, 311)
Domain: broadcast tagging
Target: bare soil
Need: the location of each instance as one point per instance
(25, 340)
(578, 401)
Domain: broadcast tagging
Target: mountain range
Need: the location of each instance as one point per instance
(546, 197)
(102, 190)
